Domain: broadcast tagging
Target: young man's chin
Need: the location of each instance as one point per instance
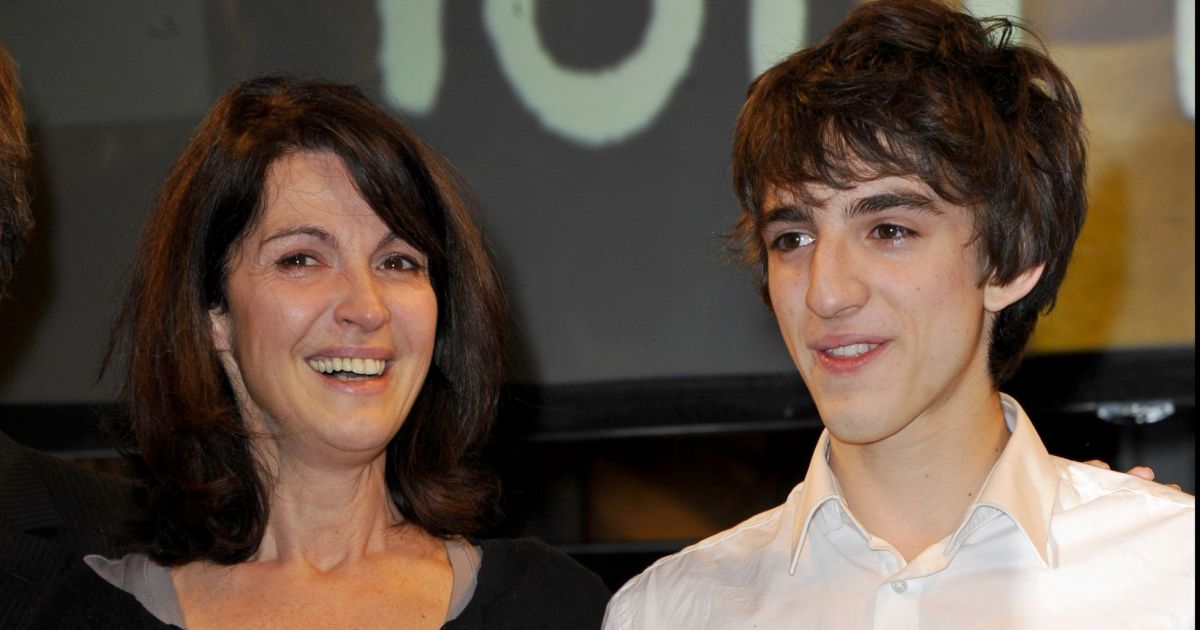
(856, 424)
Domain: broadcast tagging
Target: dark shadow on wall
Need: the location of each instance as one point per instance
(520, 362)
(32, 285)
(307, 37)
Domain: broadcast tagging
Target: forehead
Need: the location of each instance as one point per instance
(309, 194)
(308, 181)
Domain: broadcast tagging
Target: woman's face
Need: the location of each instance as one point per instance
(330, 326)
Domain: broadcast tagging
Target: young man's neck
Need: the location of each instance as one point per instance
(913, 488)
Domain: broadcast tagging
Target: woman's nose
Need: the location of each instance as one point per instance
(362, 303)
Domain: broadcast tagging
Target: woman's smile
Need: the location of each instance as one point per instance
(348, 369)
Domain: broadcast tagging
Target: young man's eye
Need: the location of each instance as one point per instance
(791, 240)
(892, 232)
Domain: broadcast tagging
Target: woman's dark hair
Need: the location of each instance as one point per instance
(16, 219)
(912, 87)
(204, 495)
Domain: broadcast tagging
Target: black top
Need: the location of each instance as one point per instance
(525, 584)
(522, 584)
(52, 512)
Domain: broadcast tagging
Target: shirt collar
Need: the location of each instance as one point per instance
(819, 487)
(1023, 484)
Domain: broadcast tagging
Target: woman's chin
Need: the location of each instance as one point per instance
(349, 439)
(363, 434)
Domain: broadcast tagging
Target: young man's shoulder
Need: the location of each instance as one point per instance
(1084, 485)
(694, 581)
(1093, 503)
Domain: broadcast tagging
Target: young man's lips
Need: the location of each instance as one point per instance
(848, 355)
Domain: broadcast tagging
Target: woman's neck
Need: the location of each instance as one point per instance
(324, 516)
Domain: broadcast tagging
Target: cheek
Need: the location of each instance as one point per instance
(270, 319)
(956, 304)
(786, 287)
(291, 313)
(415, 315)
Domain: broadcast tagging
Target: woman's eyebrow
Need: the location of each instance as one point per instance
(390, 237)
(321, 235)
(300, 230)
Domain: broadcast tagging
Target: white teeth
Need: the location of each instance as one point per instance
(355, 365)
(852, 350)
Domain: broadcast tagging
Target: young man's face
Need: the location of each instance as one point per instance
(877, 295)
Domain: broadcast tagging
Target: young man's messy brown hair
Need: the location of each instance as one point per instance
(916, 88)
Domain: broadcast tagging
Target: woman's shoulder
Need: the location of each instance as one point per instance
(525, 583)
(516, 557)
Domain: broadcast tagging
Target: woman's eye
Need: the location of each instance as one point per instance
(791, 240)
(892, 232)
(296, 260)
(397, 262)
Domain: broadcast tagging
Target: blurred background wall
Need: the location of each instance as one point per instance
(597, 137)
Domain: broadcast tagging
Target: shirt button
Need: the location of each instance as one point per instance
(900, 586)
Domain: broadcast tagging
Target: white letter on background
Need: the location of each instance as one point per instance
(989, 8)
(410, 55)
(777, 29)
(1185, 55)
(597, 107)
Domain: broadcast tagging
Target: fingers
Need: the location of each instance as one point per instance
(1145, 472)
(1141, 472)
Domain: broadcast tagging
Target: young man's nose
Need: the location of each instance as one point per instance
(834, 286)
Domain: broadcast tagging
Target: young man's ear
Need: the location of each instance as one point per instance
(997, 297)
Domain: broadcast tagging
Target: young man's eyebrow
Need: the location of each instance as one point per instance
(787, 213)
(889, 200)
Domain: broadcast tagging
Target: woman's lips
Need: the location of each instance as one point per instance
(352, 369)
(348, 366)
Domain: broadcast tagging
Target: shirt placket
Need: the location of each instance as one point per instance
(898, 595)
(895, 599)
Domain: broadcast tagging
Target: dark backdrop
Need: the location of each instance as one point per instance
(596, 135)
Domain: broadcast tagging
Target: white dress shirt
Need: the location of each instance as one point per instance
(1050, 543)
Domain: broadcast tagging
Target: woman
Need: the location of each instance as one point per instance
(314, 354)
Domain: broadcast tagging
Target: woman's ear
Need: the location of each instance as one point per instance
(997, 297)
(221, 329)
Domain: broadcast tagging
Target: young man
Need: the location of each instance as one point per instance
(912, 187)
(52, 512)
